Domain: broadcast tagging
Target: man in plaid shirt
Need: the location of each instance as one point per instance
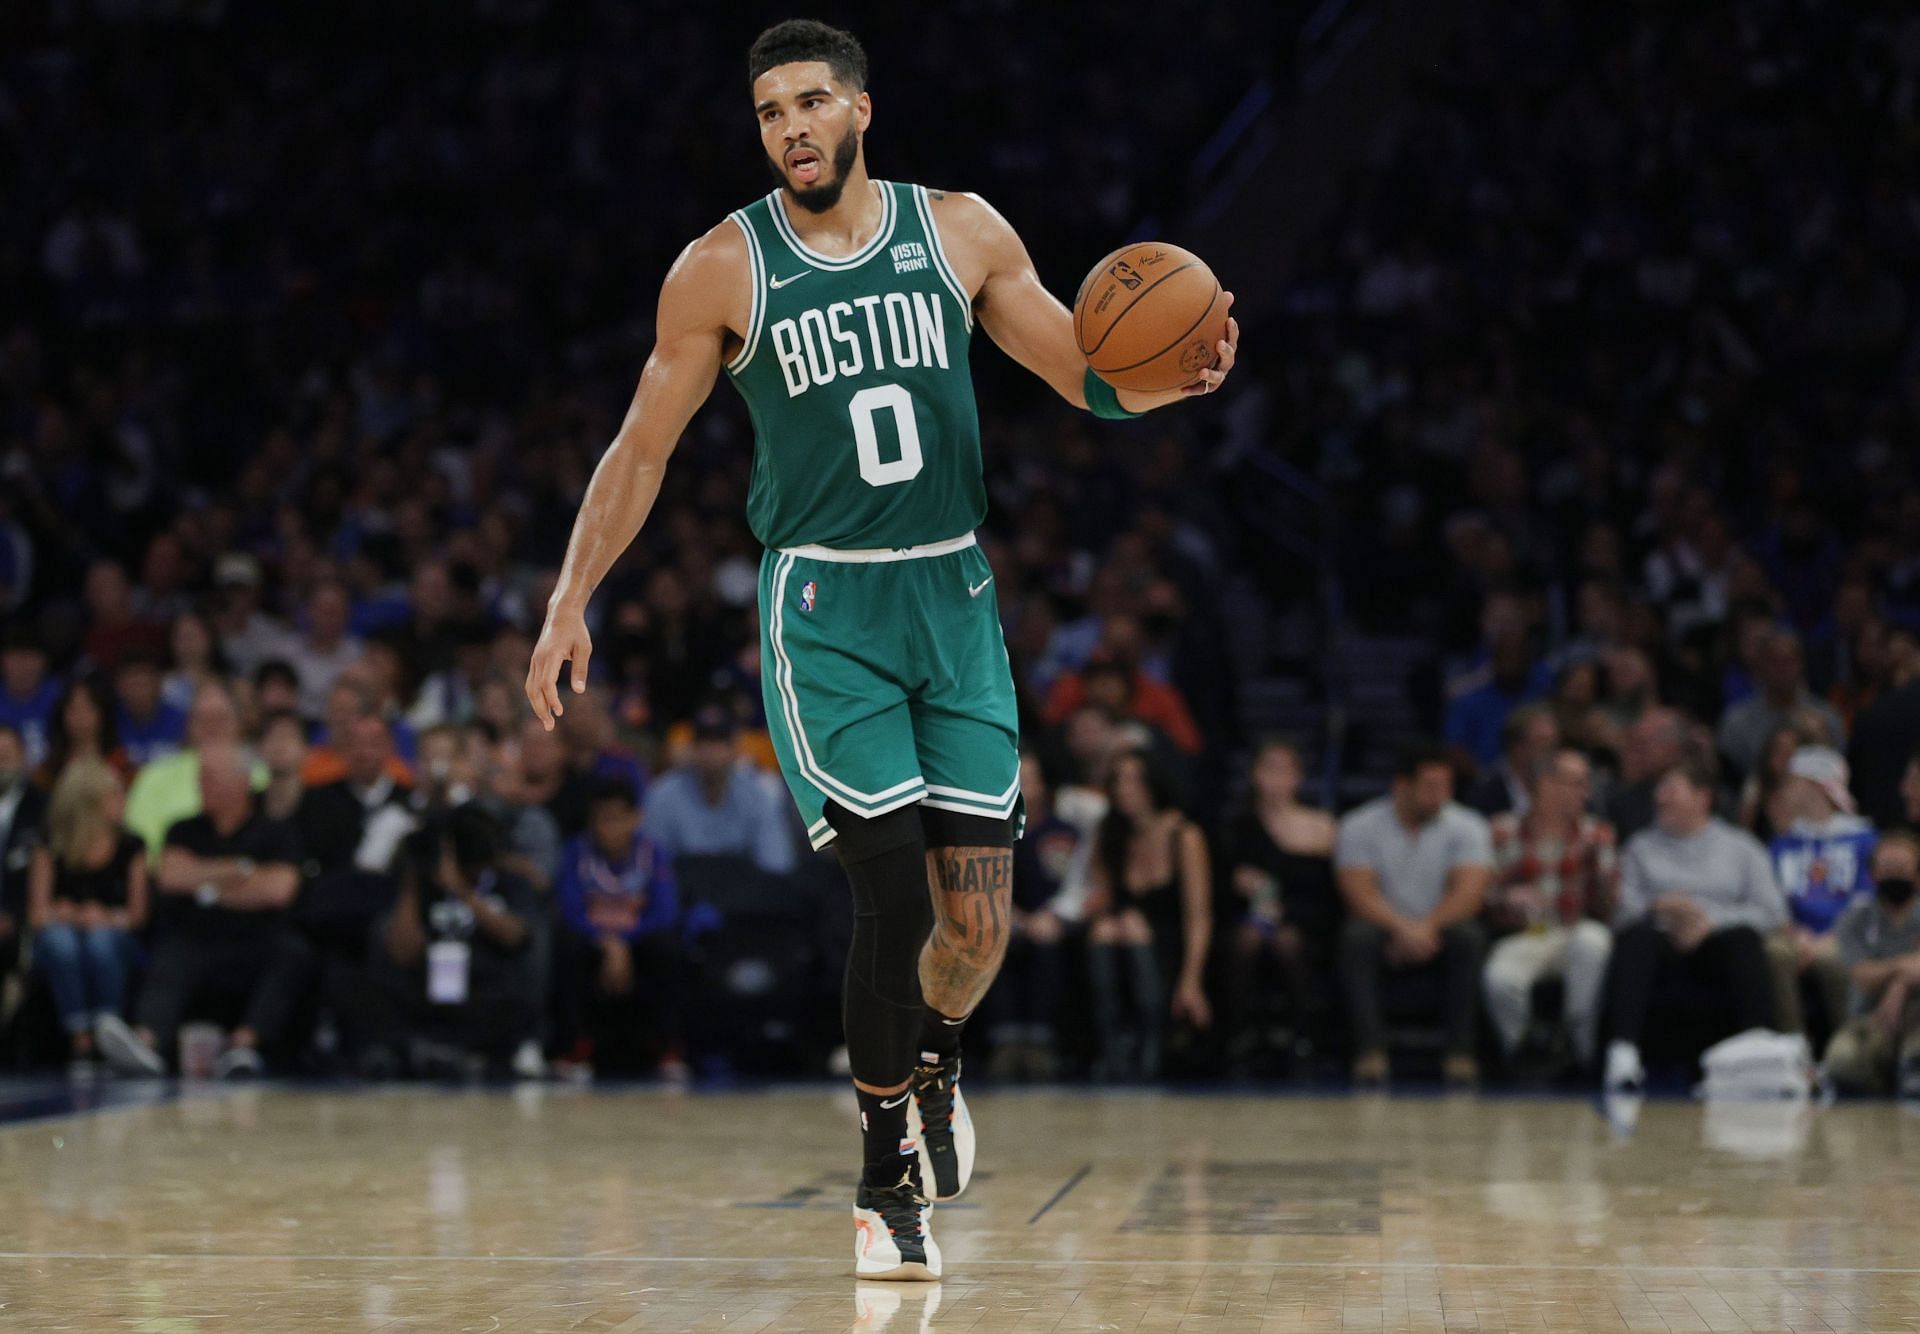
(1555, 876)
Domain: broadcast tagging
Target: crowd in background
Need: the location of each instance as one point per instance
(1605, 357)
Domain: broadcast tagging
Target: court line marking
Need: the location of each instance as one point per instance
(280, 1257)
(1061, 1194)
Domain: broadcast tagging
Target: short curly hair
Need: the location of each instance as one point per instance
(808, 39)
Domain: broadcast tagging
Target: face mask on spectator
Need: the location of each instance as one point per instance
(1897, 893)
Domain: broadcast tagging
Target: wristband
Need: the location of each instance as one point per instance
(1104, 401)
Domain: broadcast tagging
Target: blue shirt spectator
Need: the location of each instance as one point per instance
(149, 727)
(162, 733)
(1824, 860)
(27, 696)
(614, 880)
(718, 804)
(1476, 721)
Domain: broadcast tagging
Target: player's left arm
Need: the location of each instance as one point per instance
(1028, 321)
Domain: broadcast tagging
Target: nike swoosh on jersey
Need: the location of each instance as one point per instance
(897, 1101)
(777, 283)
(974, 590)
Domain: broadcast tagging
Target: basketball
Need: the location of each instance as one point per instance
(1149, 317)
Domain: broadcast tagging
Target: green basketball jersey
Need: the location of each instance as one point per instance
(855, 373)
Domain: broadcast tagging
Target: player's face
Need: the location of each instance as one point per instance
(810, 126)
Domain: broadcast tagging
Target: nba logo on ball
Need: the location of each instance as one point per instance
(807, 590)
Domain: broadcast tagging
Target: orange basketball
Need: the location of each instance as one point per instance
(1149, 317)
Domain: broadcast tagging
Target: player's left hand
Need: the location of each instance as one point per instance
(1224, 351)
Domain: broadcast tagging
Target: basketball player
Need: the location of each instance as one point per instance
(842, 309)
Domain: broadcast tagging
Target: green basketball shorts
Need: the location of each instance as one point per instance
(886, 681)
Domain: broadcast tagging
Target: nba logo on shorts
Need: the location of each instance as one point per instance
(807, 590)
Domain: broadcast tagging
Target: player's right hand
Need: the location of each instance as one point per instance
(563, 638)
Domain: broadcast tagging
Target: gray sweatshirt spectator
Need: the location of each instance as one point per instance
(1722, 868)
(1698, 898)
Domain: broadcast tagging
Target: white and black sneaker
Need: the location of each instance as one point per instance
(893, 1233)
(939, 1119)
(123, 1050)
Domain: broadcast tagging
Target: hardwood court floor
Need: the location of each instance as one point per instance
(291, 1209)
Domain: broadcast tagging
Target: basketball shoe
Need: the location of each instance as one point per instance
(939, 1119)
(893, 1234)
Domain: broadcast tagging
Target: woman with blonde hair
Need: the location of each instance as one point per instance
(87, 894)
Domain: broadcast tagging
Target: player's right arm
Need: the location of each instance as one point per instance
(705, 298)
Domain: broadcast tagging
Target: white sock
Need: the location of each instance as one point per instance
(1623, 1063)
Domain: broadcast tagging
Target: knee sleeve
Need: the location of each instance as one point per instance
(886, 864)
(953, 829)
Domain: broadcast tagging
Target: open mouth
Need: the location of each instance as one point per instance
(805, 164)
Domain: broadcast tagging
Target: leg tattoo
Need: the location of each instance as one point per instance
(972, 917)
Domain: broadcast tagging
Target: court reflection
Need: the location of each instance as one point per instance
(556, 1207)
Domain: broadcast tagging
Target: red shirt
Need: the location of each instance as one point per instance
(1149, 701)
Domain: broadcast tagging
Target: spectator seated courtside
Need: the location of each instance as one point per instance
(620, 963)
(1414, 867)
(1879, 943)
(450, 982)
(1697, 897)
(1279, 855)
(718, 804)
(226, 878)
(1555, 879)
(87, 897)
(1149, 920)
(1823, 862)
